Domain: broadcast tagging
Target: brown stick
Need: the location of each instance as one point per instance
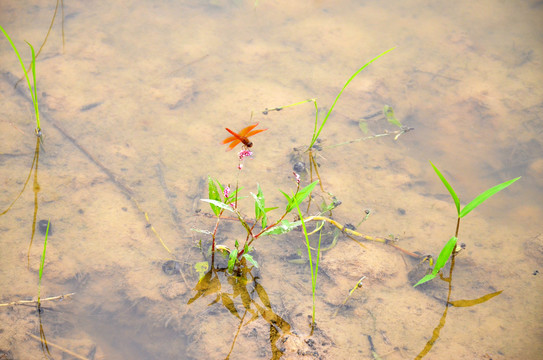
(23, 302)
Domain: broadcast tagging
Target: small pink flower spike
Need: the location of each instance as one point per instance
(297, 177)
(226, 192)
(244, 153)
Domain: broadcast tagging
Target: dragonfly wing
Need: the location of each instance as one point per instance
(246, 130)
(231, 138)
(233, 145)
(254, 132)
(228, 139)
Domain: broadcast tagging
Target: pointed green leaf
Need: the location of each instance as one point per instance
(449, 187)
(444, 255)
(213, 195)
(485, 195)
(218, 204)
(283, 227)
(250, 259)
(300, 196)
(426, 278)
(441, 260)
(260, 210)
(290, 201)
(232, 260)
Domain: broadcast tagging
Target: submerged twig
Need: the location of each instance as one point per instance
(35, 301)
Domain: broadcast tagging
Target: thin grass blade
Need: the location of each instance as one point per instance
(485, 195)
(449, 187)
(34, 90)
(316, 135)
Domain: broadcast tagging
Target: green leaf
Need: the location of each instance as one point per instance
(283, 227)
(389, 114)
(300, 196)
(250, 259)
(232, 260)
(485, 195)
(33, 91)
(218, 204)
(213, 195)
(425, 279)
(260, 210)
(289, 199)
(444, 255)
(441, 260)
(449, 187)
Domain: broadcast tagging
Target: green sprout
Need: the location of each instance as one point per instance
(33, 88)
(450, 246)
(316, 132)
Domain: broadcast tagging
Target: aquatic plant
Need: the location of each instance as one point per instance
(316, 132)
(31, 87)
(450, 247)
(449, 251)
(222, 199)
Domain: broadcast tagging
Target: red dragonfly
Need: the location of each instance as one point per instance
(241, 137)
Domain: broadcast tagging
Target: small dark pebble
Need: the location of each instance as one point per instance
(42, 227)
(401, 211)
(535, 272)
(299, 167)
(171, 267)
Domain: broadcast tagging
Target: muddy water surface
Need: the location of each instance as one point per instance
(134, 107)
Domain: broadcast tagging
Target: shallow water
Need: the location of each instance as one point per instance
(133, 111)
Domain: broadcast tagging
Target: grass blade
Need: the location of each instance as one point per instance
(449, 187)
(32, 93)
(445, 254)
(442, 259)
(485, 195)
(316, 135)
